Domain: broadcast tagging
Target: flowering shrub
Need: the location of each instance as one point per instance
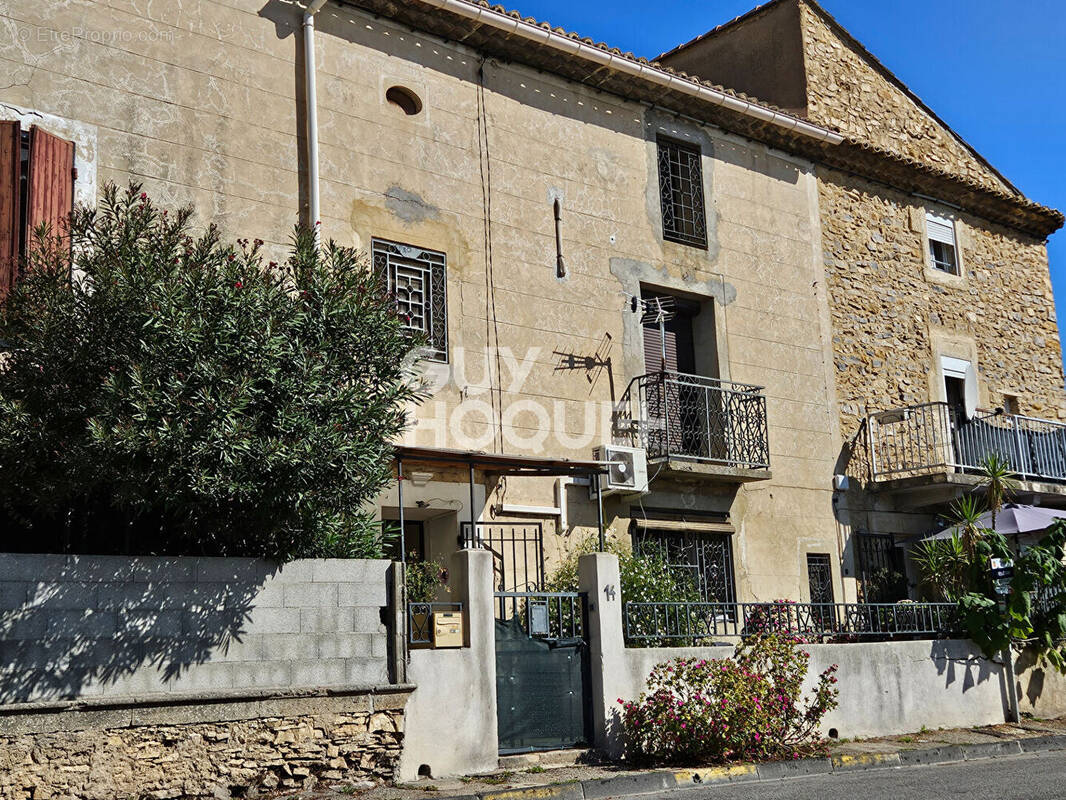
(750, 707)
(181, 396)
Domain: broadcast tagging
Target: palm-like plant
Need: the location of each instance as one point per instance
(998, 482)
(943, 565)
(966, 513)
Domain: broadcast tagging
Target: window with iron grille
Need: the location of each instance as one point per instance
(418, 279)
(820, 577)
(703, 561)
(681, 193)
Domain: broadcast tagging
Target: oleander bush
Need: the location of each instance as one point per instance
(166, 392)
(747, 708)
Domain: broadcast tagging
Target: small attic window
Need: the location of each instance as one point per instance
(404, 99)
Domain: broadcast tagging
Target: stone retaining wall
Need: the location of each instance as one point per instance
(201, 747)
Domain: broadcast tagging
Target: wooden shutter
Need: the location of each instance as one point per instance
(51, 183)
(10, 167)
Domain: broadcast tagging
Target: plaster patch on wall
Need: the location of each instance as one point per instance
(630, 271)
(408, 206)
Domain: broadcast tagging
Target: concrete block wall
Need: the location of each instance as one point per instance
(111, 626)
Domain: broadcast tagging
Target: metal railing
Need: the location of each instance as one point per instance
(543, 615)
(934, 436)
(666, 624)
(676, 415)
(420, 620)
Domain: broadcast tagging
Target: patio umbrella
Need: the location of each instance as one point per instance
(1013, 518)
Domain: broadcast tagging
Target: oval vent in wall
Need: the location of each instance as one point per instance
(404, 99)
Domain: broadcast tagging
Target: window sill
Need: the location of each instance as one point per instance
(941, 278)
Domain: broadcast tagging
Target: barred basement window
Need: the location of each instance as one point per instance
(681, 193)
(418, 279)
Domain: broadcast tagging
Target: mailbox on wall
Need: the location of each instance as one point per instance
(448, 629)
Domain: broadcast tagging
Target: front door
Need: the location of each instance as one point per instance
(542, 698)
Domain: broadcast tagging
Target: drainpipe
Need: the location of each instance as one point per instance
(311, 95)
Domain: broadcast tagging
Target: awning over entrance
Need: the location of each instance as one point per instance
(502, 463)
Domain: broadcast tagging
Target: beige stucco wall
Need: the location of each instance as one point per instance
(204, 107)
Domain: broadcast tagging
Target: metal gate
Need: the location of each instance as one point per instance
(517, 553)
(542, 682)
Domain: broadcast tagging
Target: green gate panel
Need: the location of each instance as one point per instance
(541, 699)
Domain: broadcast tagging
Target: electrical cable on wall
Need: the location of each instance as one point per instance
(491, 322)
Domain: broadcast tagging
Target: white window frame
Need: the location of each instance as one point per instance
(942, 229)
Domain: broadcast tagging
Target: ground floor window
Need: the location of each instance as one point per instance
(704, 560)
(820, 577)
(882, 575)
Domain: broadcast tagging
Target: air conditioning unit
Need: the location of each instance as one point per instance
(627, 473)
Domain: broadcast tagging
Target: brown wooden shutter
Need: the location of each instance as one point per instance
(51, 183)
(10, 166)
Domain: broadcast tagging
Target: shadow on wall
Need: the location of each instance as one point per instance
(78, 625)
(1031, 676)
(950, 655)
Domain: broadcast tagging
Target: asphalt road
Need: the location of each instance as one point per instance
(1040, 776)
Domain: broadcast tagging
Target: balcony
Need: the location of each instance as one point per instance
(695, 425)
(933, 443)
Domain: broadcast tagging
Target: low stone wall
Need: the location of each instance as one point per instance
(885, 687)
(199, 746)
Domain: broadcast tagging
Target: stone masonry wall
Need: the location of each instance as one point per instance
(888, 308)
(353, 739)
(845, 92)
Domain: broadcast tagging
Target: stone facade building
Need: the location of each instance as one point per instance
(938, 343)
(602, 250)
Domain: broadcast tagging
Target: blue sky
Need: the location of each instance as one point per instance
(995, 70)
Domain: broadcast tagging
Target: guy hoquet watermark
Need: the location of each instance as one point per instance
(478, 398)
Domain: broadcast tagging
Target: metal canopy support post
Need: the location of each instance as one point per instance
(399, 503)
(599, 508)
(473, 514)
(401, 600)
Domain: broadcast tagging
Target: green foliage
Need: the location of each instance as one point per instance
(998, 482)
(1034, 612)
(644, 578)
(943, 565)
(423, 580)
(750, 707)
(179, 395)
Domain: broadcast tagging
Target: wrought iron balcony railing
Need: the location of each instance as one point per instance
(934, 437)
(689, 417)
